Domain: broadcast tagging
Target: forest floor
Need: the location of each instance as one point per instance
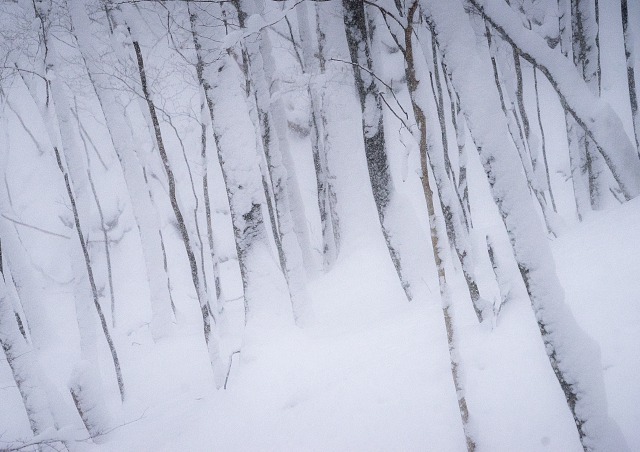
(373, 372)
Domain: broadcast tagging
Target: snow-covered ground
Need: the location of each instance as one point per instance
(599, 265)
(372, 374)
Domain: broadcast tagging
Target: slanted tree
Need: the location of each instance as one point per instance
(579, 376)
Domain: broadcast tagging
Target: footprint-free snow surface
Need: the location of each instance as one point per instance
(373, 374)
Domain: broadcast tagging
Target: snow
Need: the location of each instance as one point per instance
(354, 382)
(599, 271)
(607, 127)
(372, 371)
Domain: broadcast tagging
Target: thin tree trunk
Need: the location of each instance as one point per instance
(600, 121)
(457, 119)
(439, 98)
(630, 56)
(212, 345)
(199, 245)
(580, 190)
(103, 224)
(518, 131)
(544, 142)
(438, 238)
(215, 260)
(125, 145)
(450, 201)
(89, 268)
(586, 57)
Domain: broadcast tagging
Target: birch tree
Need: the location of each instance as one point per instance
(438, 238)
(73, 169)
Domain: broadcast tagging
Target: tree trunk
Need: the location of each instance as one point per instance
(599, 120)
(22, 361)
(520, 132)
(438, 238)
(312, 66)
(372, 123)
(292, 228)
(117, 18)
(630, 56)
(586, 57)
(124, 143)
(239, 160)
(578, 371)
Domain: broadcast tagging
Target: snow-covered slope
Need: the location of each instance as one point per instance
(373, 374)
(599, 265)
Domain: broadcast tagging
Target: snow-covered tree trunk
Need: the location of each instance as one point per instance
(127, 27)
(596, 117)
(452, 204)
(292, 227)
(215, 258)
(417, 91)
(457, 119)
(539, 184)
(205, 158)
(630, 56)
(572, 354)
(124, 144)
(586, 57)
(543, 140)
(355, 21)
(236, 142)
(236, 8)
(504, 286)
(519, 129)
(196, 273)
(73, 170)
(439, 100)
(23, 363)
(312, 62)
(286, 167)
(576, 159)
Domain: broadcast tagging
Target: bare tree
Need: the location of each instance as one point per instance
(117, 17)
(580, 378)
